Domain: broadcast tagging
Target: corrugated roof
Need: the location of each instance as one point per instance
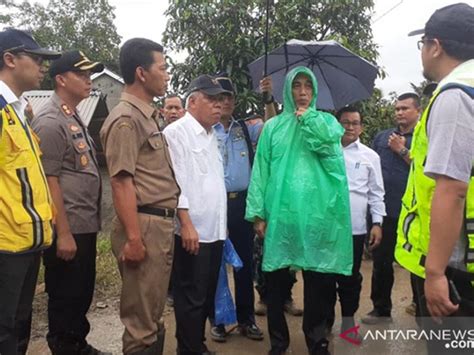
(109, 73)
(95, 103)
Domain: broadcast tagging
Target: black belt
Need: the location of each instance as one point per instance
(155, 211)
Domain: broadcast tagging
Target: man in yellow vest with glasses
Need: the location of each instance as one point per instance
(436, 225)
(25, 202)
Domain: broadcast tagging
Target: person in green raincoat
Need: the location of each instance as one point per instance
(298, 199)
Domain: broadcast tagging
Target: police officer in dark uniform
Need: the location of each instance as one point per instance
(70, 165)
(236, 143)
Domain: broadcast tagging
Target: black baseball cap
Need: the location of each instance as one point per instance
(15, 41)
(225, 81)
(208, 85)
(454, 22)
(74, 61)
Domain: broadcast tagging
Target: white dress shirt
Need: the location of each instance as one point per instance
(199, 171)
(18, 104)
(364, 175)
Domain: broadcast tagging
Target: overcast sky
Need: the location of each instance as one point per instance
(393, 19)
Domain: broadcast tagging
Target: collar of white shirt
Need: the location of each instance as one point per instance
(353, 145)
(19, 104)
(197, 127)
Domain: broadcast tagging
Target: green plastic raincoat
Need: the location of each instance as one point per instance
(299, 187)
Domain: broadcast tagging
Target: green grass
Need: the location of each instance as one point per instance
(107, 275)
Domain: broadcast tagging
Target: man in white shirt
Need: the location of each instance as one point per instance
(364, 175)
(202, 211)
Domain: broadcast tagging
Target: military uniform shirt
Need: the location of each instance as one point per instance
(69, 154)
(133, 143)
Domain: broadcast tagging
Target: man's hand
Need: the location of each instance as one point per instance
(66, 247)
(266, 85)
(375, 237)
(300, 111)
(190, 239)
(437, 297)
(396, 143)
(260, 226)
(133, 252)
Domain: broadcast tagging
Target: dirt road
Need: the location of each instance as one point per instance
(107, 329)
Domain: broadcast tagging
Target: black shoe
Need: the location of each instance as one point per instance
(218, 334)
(90, 350)
(251, 331)
(322, 348)
(274, 351)
(374, 317)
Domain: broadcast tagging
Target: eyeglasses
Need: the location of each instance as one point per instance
(18, 51)
(348, 124)
(422, 42)
(34, 57)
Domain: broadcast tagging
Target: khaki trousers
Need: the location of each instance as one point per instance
(145, 286)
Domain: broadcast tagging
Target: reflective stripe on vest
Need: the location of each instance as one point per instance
(414, 222)
(25, 202)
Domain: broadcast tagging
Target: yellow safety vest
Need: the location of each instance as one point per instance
(414, 222)
(26, 209)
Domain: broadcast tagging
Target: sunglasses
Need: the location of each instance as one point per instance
(19, 51)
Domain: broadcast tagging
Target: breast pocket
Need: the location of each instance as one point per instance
(362, 171)
(156, 142)
(200, 160)
(240, 146)
(18, 156)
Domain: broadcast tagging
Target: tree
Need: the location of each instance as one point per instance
(420, 90)
(228, 35)
(378, 113)
(86, 25)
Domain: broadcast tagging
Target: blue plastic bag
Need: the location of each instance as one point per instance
(224, 304)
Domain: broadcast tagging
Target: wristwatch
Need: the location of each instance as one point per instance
(403, 152)
(268, 100)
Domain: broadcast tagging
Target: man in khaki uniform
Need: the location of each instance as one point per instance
(145, 195)
(70, 165)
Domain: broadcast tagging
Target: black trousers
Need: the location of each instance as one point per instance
(259, 275)
(241, 234)
(349, 287)
(462, 320)
(382, 273)
(319, 291)
(194, 290)
(70, 288)
(18, 275)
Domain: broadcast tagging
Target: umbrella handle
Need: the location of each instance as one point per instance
(267, 97)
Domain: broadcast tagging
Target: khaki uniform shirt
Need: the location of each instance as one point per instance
(69, 153)
(133, 143)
